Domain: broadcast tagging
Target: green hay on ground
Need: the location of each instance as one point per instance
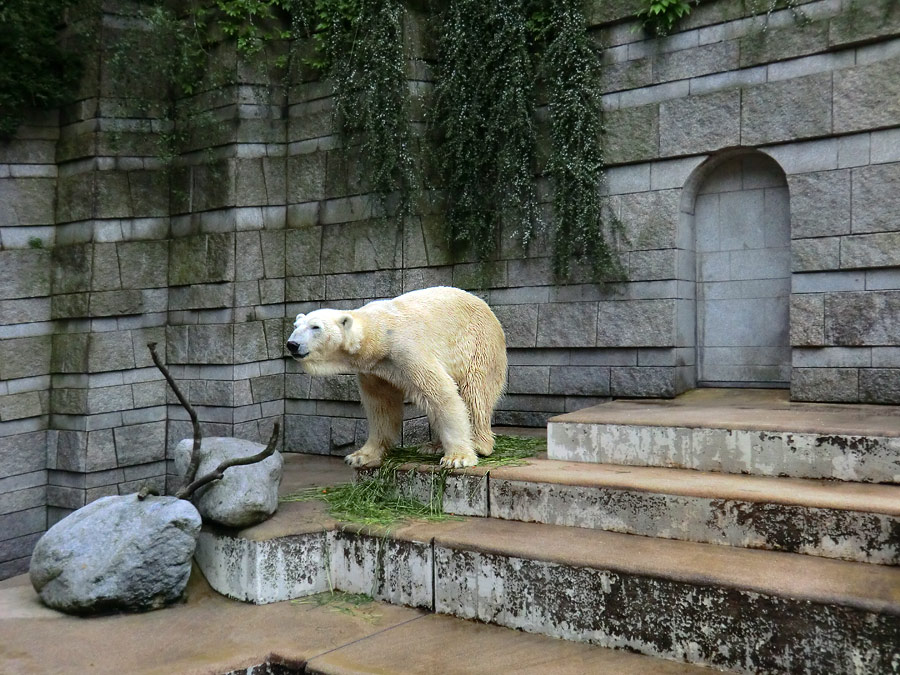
(352, 604)
(378, 500)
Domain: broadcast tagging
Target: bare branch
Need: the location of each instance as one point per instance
(145, 492)
(195, 450)
(219, 472)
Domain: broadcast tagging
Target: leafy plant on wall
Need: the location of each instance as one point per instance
(572, 72)
(35, 72)
(482, 123)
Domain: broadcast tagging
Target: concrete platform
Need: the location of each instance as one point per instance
(211, 634)
(680, 600)
(747, 431)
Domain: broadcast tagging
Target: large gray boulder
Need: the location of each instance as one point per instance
(117, 553)
(246, 495)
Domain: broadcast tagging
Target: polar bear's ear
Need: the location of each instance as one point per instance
(352, 334)
(299, 318)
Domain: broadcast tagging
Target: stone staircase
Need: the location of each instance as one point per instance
(724, 528)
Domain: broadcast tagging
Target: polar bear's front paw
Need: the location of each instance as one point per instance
(363, 459)
(459, 459)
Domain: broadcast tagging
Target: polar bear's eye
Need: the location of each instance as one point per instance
(314, 327)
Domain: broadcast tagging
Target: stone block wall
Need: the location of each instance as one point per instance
(105, 247)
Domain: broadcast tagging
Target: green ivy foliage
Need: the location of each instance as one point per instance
(34, 71)
(572, 71)
(360, 47)
(660, 16)
(482, 122)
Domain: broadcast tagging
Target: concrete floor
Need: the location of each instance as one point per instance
(209, 633)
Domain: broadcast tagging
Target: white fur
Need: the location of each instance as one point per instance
(441, 347)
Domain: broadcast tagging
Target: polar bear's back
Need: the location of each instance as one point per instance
(456, 327)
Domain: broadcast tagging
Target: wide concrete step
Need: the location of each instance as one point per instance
(757, 432)
(736, 609)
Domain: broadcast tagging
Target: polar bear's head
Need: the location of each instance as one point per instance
(323, 339)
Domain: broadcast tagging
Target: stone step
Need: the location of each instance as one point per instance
(831, 519)
(743, 431)
(736, 609)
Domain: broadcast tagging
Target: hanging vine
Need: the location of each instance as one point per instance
(572, 71)
(482, 123)
(360, 45)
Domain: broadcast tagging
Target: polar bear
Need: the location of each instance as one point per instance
(441, 347)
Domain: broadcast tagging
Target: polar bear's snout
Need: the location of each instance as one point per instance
(295, 350)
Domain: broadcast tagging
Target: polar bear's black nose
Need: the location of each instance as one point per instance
(293, 347)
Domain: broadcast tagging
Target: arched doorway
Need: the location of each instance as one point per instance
(739, 205)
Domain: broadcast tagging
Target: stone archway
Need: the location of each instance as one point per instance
(738, 208)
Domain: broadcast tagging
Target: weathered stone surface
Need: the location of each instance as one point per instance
(820, 203)
(109, 351)
(631, 74)
(579, 381)
(777, 44)
(24, 357)
(879, 385)
(246, 495)
(786, 110)
(650, 218)
(632, 134)
(201, 259)
(825, 384)
(696, 61)
(519, 324)
(865, 20)
(700, 123)
(23, 453)
(140, 443)
(862, 318)
(810, 255)
(647, 381)
(24, 273)
(867, 96)
(117, 553)
(807, 320)
(871, 250)
(143, 264)
(875, 190)
(636, 323)
(572, 324)
(27, 201)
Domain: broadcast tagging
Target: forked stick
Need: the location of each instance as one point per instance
(188, 490)
(195, 451)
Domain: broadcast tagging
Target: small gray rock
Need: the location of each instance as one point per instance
(117, 553)
(246, 495)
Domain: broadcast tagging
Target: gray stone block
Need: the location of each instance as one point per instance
(811, 255)
(250, 342)
(875, 190)
(864, 20)
(201, 258)
(823, 282)
(807, 323)
(579, 380)
(636, 323)
(820, 203)
(109, 351)
(649, 381)
(27, 201)
(116, 303)
(24, 273)
(832, 357)
(25, 357)
(567, 325)
(650, 218)
(211, 344)
(879, 385)
(23, 453)
(883, 279)
(700, 123)
(631, 134)
(140, 443)
(307, 433)
(786, 110)
(105, 271)
(626, 75)
(695, 62)
(825, 384)
(871, 250)
(529, 379)
(519, 324)
(867, 96)
(779, 44)
(860, 319)
(101, 451)
(143, 264)
(24, 310)
(653, 265)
